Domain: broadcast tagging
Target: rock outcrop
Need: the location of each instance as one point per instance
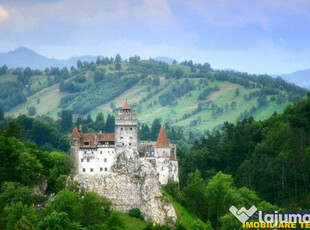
(132, 183)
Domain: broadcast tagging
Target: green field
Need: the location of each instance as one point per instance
(146, 98)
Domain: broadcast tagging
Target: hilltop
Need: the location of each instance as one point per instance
(23, 57)
(300, 78)
(188, 95)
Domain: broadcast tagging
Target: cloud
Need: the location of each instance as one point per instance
(3, 14)
(93, 12)
(240, 13)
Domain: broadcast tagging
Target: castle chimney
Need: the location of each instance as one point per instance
(80, 128)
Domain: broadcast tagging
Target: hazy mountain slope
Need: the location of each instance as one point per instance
(300, 78)
(181, 95)
(164, 59)
(24, 57)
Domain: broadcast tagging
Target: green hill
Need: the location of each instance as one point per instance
(187, 95)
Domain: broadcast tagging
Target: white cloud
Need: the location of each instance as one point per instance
(3, 14)
(93, 12)
(240, 13)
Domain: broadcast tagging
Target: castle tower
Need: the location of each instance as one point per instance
(126, 128)
(74, 153)
(162, 144)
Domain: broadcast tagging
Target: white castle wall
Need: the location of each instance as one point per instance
(96, 161)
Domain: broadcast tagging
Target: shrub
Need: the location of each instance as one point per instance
(135, 212)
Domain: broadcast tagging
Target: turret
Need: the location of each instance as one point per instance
(126, 128)
(162, 144)
(74, 152)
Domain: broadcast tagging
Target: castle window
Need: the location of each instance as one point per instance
(105, 169)
(105, 159)
(92, 151)
(108, 151)
(100, 152)
(123, 144)
(101, 169)
(130, 138)
(112, 151)
(83, 169)
(84, 151)
(82, 160)
(121, 137)
(91, 170)
(129, 144)
(86, 142)
(87, 160)
(130, 128)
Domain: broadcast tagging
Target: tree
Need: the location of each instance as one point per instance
(79, 64)
(118, 66)
(134, 59)
(156, 81)
(28, 72)
(93, 209)
(1, 115)
(66, 121)
(237, 92)
(65, 201)
(32, 111)
(20, 215)
(59, 164)
(98, 76)
(194, 193)
(13, 129)
(118, 58)
(58, 221)
(155, 129)
(178, 73)
(13, 192)
(29, 168)
(110, 124)
(262, 100)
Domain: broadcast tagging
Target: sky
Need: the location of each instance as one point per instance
(254, 36)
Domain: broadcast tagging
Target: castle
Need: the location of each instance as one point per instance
(95, 153)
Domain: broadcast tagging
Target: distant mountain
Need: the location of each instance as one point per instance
(24, 57)
(300, 78)
(164, 59)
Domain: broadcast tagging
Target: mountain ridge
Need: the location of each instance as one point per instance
(24, 57)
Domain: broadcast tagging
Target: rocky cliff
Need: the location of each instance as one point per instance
(131, 184)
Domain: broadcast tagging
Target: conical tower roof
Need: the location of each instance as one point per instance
(75, 133)
(126, 106)
(162, 141)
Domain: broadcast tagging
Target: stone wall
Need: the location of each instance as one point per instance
(132, 184)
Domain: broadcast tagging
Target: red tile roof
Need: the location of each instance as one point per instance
(162, 141)
(93, 140)
(126, 106)
(107, 137)
(75, 133)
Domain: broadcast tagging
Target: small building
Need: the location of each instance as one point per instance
(95, 153)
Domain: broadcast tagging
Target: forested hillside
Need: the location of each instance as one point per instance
(261, 163)
(188, 95)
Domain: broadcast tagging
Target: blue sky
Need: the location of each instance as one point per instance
(255, 36)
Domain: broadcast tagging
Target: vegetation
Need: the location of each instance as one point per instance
(188, 95)
(244, 161)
